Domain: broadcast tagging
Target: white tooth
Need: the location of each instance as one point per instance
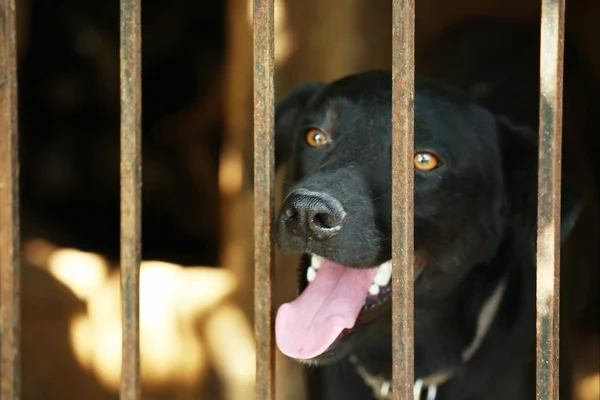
(311, 274)
(316, 261)
(384, 274)
(374, 290)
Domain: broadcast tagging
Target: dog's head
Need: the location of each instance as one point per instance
(474, 177)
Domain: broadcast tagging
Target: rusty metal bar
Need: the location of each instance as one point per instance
(10, 323)
(264, 198)
(402, 199)
(549, 194)
(131, 194)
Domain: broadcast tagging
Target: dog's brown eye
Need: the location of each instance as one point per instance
(426, 161)
(316, 138)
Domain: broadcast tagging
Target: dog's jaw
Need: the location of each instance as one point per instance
(379, 290)
(331, 303)
(334, 300)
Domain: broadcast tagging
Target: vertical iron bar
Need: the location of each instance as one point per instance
(549, 194)
(264, 92)
(10, 324)
(131, 194)
(402, 199)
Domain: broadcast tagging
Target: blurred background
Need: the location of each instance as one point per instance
(196, 278)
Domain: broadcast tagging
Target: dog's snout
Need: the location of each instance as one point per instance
(313, 214)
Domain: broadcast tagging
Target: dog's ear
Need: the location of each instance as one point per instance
(287, 113)
(520, 159)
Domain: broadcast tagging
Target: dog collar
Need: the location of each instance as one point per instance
(423, 389)
(426, 388)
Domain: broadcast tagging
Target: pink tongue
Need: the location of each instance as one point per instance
(307, 326)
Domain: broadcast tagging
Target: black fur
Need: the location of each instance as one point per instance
(474, 222)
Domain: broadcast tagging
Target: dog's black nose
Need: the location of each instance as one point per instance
(312, 215)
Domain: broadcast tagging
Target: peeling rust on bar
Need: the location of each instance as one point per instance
(9, 207)
(264, 94)
(131, 193)
(549, 194)
(402, 199)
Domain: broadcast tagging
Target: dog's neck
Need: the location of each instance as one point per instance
(426, 387)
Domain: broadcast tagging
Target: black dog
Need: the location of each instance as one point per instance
(474, 208)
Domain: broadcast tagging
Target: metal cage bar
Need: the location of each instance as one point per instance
(549, 195)
(264, 198)
(131, 194)
(10, 265)
(402, 198)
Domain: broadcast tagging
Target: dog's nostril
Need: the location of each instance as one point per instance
(325, 221)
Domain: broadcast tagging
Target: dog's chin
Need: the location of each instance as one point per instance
(372, 304)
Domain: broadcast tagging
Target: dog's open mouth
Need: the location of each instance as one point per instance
(334, 298)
